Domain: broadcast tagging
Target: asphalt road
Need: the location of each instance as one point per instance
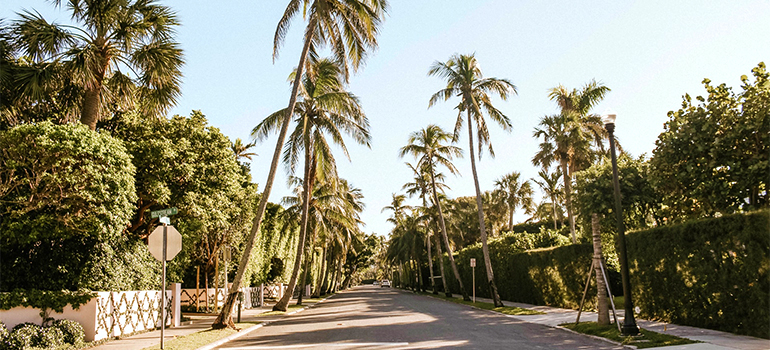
(383, 318)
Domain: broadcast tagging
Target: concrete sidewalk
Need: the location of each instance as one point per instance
(712, 340)
(196, 324)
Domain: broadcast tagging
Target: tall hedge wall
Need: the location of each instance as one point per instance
(550, 276)
(710, 273)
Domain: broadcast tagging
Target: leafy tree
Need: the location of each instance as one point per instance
(185, 163)
(116, 38)
(712, 156)
(66, 195)
(464, 79)
(350, 27)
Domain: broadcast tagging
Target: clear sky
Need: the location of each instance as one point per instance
(649, 53)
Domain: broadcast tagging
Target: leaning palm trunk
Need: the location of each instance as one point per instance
(225, 317)
(448, 247)
(308, 265)
(321, 272)
(440, 262)
(568, 196)
(430, 255)
(283, 303)
(482, 228)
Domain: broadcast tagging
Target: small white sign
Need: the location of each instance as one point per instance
(473, 262)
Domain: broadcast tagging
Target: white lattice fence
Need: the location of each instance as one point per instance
(191, 296)
(110, 314)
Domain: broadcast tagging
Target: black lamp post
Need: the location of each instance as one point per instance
(629, 323)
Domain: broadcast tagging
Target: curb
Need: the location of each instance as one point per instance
(243, 332)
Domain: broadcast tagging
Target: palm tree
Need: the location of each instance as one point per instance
(241, 150)
(514, 194)
(549, 184)
(325, 108)
(398, 207)
(116, 38)
(427, 145)
(464, 79)
(350, 28)
(567, 136)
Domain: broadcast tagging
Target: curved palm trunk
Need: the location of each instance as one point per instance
(482, 228)
(568, 196)
(308, 265)
(225, 317)
(440, 259)
(446, 241)
(430, 255)
(283, 303)
(321, 272)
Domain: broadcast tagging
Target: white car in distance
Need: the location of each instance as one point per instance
(385, 283)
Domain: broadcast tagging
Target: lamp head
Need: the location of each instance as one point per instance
(609, 117)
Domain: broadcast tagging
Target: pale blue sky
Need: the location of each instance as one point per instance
(649, 53)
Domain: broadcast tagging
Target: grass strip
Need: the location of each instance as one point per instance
(198, 339)
(289, 308)
(647, 339)
(508, 310)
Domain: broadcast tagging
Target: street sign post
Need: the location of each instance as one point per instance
(164, 244)
(163, 212)
(473, 265)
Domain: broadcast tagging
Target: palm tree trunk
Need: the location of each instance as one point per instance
(430, 254)
(91, 103)
(283, 303)
(440, 261)
(321, 272)
(225, 317)
(568, 196)
(482, 228)
(553, 206)
(308, 265)
(601, 288)
(446, 241)
(510, 218)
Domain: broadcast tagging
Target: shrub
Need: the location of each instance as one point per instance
(72, 331)
(22, 336)
(48, 337)
(3, 334)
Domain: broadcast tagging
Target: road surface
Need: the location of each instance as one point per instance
(369, 317)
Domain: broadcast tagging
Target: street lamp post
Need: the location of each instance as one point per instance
(629, 323)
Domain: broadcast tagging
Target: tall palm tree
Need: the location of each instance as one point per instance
(567, 136)
(514, 194)
(398, 207)
(464, 79)
(116, 38)
(427, 145)
(325, 108)
(549, 184)
(350, 28)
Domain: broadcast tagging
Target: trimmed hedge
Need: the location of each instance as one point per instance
(710, 273)
(550, 276)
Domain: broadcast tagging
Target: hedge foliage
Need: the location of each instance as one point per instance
(43, 299)
(711, 273)
(549, 276)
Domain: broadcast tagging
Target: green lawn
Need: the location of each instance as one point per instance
(648, 339)
(198, 339)
(508, 310)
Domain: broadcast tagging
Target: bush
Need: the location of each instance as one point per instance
(710, 273)
(48, 337)
(22, 336)
(3, 334)
(72, 331)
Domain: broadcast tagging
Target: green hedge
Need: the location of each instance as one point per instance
(550, 276)
(710, 273)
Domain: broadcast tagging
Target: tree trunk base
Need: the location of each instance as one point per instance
(448, 295)
(225, 318)
(495, 297)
